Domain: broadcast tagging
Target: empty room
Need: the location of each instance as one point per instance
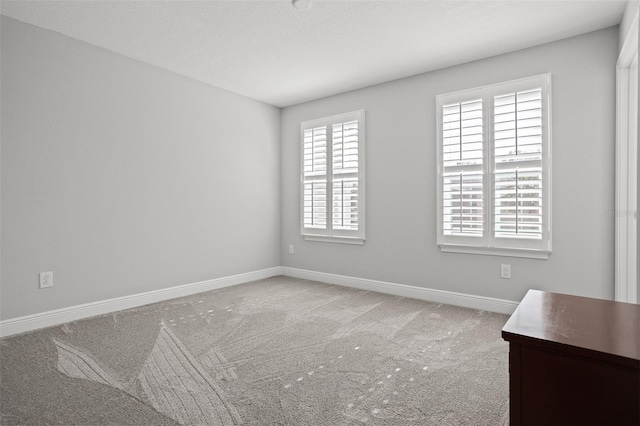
(319, 212)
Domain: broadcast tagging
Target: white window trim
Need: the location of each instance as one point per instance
(329, 235)
(334, 239)
(488, 244)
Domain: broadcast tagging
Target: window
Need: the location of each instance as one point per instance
(332, 181)
(494, 169)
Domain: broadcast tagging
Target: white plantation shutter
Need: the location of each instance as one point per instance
(462, 152)
(345, 147)
(463, 204)
(315, 205)
(518, 164)
(345, 175)
(333, 178)
(462, 133)
(518, 126)
(494, 169)
(315, 176)
(345, 204)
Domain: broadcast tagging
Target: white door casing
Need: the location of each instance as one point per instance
(626, 208)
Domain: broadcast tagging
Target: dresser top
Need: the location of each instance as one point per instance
(594, 327)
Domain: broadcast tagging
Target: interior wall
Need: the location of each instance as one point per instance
(401, 177)
(124, 178)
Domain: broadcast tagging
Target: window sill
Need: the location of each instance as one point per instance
(338, 240)
(494, 251)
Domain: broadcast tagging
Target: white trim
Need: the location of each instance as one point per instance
(630, 46)
(431, 295)
(495, 251)
(73, 313)
(626, 206)
(60, 316)
(330, 239)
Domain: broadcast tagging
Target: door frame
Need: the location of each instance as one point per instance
(626, 212)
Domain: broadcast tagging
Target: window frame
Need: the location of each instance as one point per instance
(489, 243)
(329, 234)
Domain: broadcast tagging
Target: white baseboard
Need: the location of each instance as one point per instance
(60, 316)
(439, 296)
(73, 313)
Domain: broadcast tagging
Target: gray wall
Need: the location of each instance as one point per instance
(401, 177)
(123, 178)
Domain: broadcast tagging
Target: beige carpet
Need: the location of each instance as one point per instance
(279, 351)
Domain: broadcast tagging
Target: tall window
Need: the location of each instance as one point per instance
(494, 169)
(332, 190)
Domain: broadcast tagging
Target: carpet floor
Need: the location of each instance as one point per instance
(279, 351)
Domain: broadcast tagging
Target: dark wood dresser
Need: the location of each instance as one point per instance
(573, 361)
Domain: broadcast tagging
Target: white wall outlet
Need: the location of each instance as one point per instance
(290, 248)
(505, 271)
(46, 279)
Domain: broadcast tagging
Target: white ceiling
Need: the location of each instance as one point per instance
(270, 51)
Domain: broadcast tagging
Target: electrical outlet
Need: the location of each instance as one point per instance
(290, 248)
(46, 279)
(505, 271)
